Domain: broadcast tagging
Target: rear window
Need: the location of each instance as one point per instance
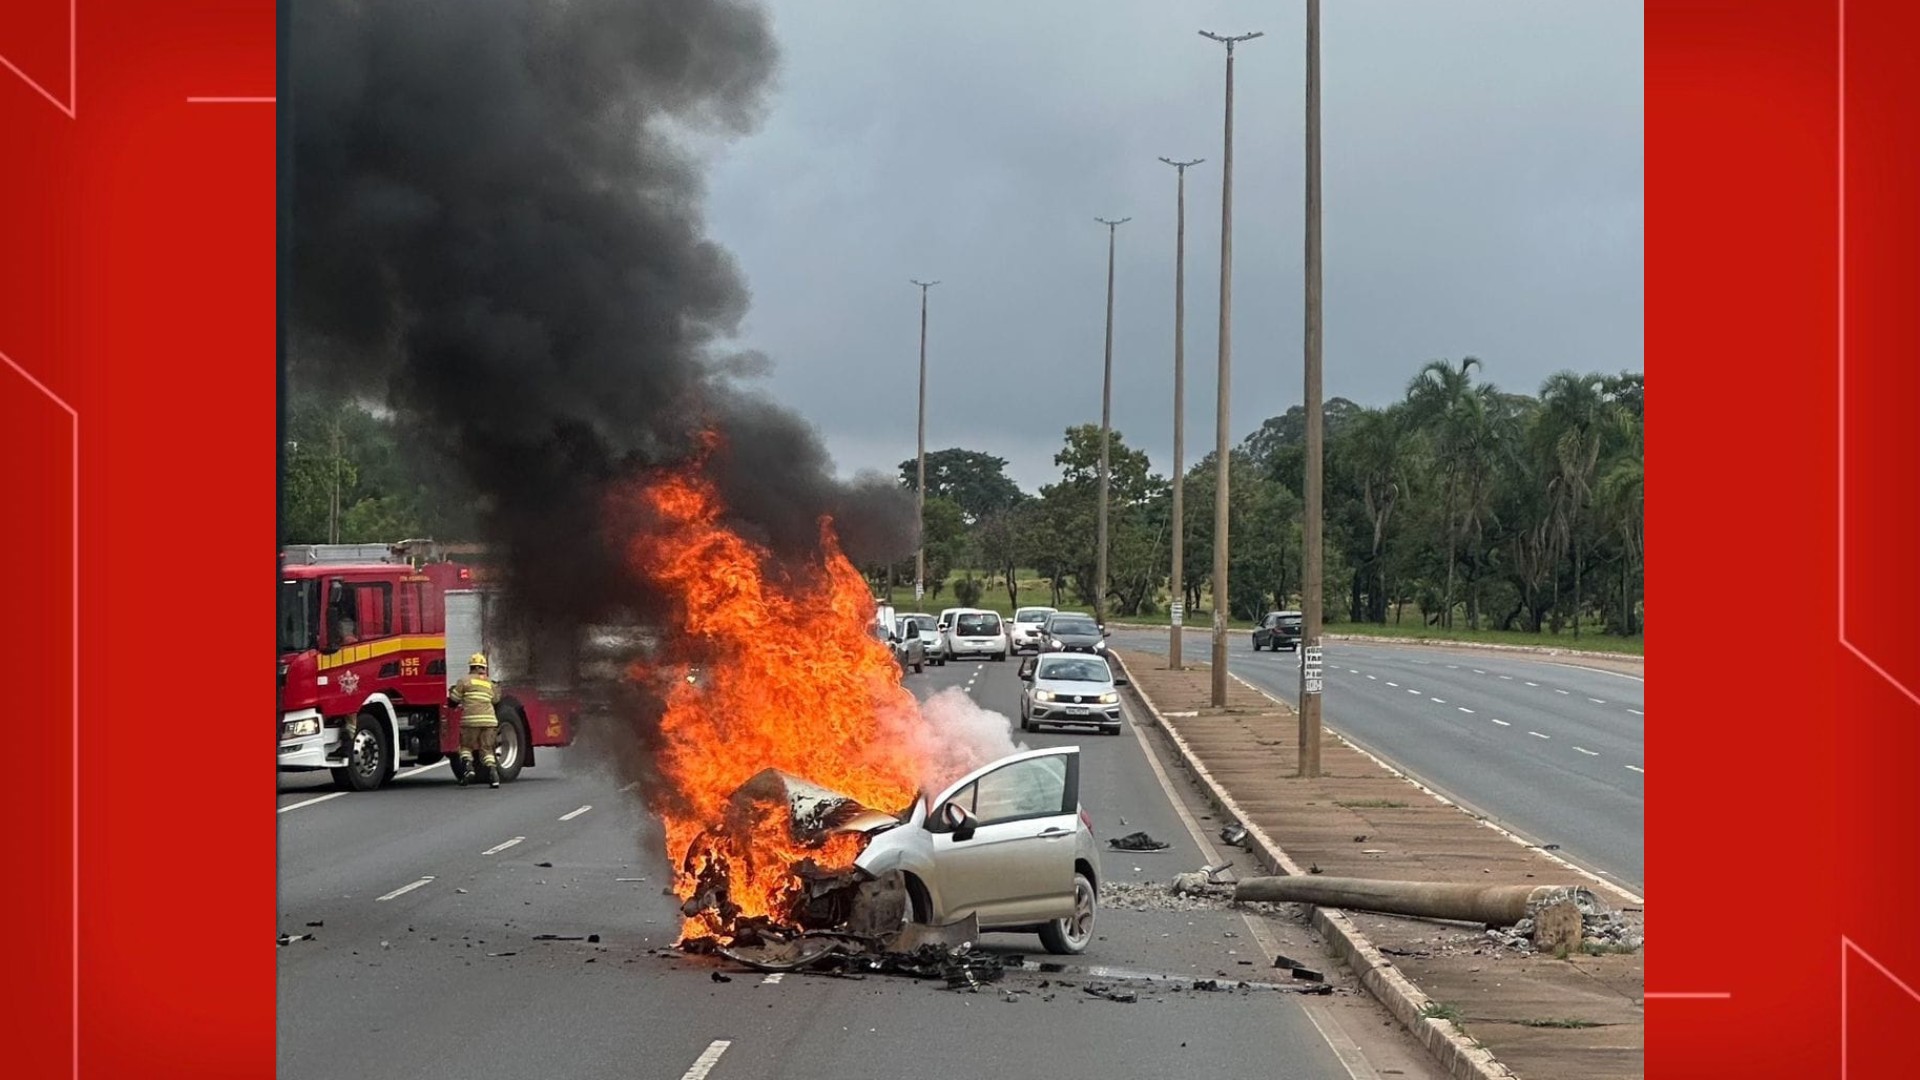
(1034, 616)
(1073, 625)
(977, 625)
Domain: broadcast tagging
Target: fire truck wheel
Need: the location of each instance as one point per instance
(368, 764)
(510, 747)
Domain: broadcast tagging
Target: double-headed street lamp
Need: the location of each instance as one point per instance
(1221, 450)
(1176, 587)
(1106, 426)
(920, 487)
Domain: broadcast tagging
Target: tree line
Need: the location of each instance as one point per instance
(1460, 503)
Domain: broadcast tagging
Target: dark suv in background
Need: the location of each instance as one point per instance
(1280, 629)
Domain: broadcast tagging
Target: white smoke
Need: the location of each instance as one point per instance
(952, 736)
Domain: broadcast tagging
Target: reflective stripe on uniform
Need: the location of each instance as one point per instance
(476, 695)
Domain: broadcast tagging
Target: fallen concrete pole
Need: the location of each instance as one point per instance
(1489, 905)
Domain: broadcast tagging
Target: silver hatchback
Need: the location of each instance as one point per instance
(1007, 844)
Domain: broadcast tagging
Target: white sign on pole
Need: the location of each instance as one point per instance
(919, 590)
(1179, 612)
(1310, 668)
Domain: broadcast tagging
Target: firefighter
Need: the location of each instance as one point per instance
(476, 696)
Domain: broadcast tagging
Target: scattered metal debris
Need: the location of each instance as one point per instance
(288, 939)
(1234, 833)
(1127, 997)
(719, 977)
(1137, 841)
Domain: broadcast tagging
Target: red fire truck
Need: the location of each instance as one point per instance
(379, 632)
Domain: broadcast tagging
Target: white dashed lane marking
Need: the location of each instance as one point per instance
(1464, 709)
(1636, 712)
(405, 889)
(1533, 684)
(498, 848)
(1395, 685)
(1537, 735)
(1636, 768)
(1502, 723)
(571, 814)
(1436, 701)
(1596, 701)
(1584, 750)
(708, 1058)
(1376, 678)
(1557, 690)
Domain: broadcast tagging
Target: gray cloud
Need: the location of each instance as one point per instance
(1483, 171)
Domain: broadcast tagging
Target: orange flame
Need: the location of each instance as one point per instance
(791, 678)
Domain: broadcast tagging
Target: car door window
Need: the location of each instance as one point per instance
(1036, 787)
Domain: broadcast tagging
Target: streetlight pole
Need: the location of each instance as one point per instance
(920, 485)
(1106, 426)
(1311, 530)
(1221, 591)
(1176, 588)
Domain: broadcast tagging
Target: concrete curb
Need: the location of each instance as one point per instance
(1381, 978)
(1438, 643)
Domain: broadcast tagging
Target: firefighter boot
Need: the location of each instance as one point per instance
(466, 770)
(493, 776)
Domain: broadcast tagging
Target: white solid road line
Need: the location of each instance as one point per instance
(1636, 768)
(309, 802)
(1502, 723)
(401, 775)
(708, 1058)
(404, 889)
(498, 848)
(571, 814)
(1537, 735)
(1586, 751)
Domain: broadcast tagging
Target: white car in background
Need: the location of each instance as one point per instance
(1029, 632)
(1069, 689)
(930, 637)
(976, 632)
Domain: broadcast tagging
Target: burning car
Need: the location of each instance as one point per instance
(1005, 848)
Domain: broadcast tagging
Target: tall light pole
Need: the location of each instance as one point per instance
(1221, 450)
(1176, 587)
(920, 486)
(1106, 426)
(1310, 613)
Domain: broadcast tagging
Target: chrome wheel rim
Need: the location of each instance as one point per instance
(366, 752)
(506, 746)
(1078, 927)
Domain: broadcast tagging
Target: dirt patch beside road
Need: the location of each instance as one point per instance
(1577, 1017)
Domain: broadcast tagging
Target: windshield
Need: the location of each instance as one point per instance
(977, 625)
(299, 617)
(1032, 615)
(920, 623)
(1072, 624)
(1074, 669)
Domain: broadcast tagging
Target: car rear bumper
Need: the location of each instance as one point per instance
(978, 647)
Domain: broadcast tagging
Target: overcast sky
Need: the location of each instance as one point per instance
(1482, 172)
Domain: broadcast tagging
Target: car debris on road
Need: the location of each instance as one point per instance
(1137, 841)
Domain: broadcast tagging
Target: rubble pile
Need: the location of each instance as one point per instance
(1600, 926)
(1188, 892)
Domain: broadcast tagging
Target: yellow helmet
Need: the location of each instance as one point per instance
(477, 660)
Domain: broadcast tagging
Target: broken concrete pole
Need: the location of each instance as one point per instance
(1489, 905)
(1557, 925)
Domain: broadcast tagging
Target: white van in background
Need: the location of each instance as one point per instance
(976, 632)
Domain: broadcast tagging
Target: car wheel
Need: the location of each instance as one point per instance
(1069, 936)
(1026, 724)
(1114, 730)
(919, 667)
(510, 743)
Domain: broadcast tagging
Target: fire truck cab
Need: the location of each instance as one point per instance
(365, 633)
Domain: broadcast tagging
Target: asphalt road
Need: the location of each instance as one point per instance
(1548, 749)
(426, 963)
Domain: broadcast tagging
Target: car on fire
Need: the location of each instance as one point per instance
(1007, 844)
(1070, 689)
(1006, 848)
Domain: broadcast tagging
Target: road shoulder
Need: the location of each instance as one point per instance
(1482, 1009)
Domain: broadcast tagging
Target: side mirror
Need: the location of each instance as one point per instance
(959, 821)
(1121, 682)
(1104, 632)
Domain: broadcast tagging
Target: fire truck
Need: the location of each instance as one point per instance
(378, 633)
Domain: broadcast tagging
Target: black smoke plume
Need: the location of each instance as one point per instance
(497, 229)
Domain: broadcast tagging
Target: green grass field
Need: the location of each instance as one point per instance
(1032, 591)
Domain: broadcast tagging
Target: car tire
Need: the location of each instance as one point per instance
(1026, 723)
(919, 667)
(510, 743)
(1114, 730)
(1069, 936)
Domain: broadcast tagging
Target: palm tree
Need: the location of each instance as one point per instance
(1622, 499)
(1443, 402)
(1577, 420)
